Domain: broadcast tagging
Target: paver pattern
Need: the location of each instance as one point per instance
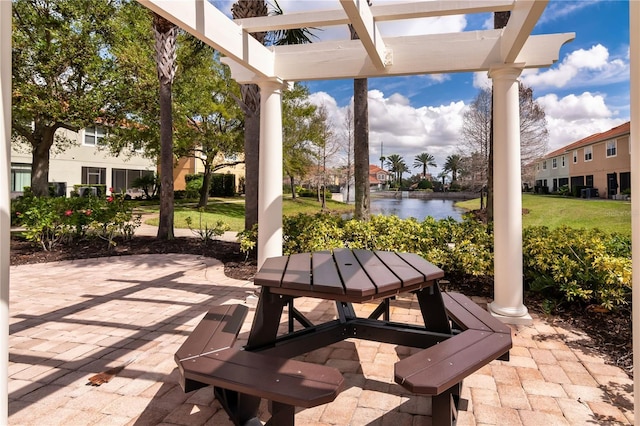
(71, 320)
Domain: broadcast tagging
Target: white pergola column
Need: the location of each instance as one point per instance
(5, 204)
(634, 53)
(507, 201)
(270, 173)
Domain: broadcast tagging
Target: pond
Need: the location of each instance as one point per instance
(416, 208)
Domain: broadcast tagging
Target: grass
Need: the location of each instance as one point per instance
(231, 211)
(554, 211)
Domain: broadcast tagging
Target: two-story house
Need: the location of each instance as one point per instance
(552, 171)
(601, 161)
(84, 162)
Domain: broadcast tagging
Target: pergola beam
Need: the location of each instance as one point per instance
(389, 12)
(208, 24)
(523, 18)
(364, 25)
(475, 51)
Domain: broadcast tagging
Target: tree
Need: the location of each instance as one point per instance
(323, 131)
(208, 121)
(250, 102)
(424, 160)
(453, 164)
(361, 143)
(165, 36)
(476, 133)
(348, 135)
(397, 166)
(62, 78)
(297, 129)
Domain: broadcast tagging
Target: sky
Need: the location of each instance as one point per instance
(585, 92)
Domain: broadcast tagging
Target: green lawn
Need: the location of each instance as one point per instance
(554, 211)
(231, 211)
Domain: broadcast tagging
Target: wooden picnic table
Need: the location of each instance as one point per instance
(457, 337)
(346, 277)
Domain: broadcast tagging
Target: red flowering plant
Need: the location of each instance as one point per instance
(50, 221)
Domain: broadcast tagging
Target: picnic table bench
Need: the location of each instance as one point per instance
(207, 357)
(457, 338)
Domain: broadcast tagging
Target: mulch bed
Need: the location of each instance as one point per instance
(610, 332)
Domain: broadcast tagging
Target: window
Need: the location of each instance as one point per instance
(94, 176)
(588, 181)
(94, 135)
(554, 163)
(20, 176)
(544, 165)
(575, 157)
(612, 148)
(588, 153)
(562, 161)
(122, 179)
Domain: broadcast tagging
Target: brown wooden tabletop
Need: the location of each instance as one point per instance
(347, 275)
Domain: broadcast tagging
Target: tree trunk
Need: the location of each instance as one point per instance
(165, 226)
(165, 45)
(293, 188)
(361, 148)
(251, 163)
(40, 162)
(206, 185)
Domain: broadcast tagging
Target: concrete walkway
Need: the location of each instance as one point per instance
(73, 319)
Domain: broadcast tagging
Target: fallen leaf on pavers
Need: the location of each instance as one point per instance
(107, 375)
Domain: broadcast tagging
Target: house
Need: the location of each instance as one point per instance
(378, 178)
(601, 161)
(552, 171)
(191, 165)
(84, 162)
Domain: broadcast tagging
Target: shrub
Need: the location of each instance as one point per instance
(588, 266)
(51, 221)
(566, 264)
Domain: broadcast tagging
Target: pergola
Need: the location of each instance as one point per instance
(503, 53)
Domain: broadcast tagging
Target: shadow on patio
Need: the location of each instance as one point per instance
(71, 320)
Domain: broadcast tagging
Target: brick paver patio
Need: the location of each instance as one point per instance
(71, 320)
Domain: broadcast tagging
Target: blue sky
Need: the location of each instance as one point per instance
(585, 92)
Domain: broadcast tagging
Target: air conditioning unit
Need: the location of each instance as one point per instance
(88, 191)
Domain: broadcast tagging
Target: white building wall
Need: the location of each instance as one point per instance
(66, 166)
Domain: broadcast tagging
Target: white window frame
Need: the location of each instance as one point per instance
(575, 157)
(544, 165)
(613, 150)
(563, 163)
(97, 133)
(554, 163)
(588, 153)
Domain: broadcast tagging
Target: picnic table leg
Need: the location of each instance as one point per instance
(444, 407)
(281, 414)
(433, 310)
(241, 408)
(267, 319)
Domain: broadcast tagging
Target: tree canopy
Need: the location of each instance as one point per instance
(63, 74)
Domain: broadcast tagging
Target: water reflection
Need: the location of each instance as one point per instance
(416, 208)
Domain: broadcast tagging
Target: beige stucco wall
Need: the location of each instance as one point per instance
(66, 166)
(601, 165)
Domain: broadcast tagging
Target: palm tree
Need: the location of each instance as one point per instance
(424, 160)
(250, 102)
(361, 144)
(397, 166)
(453, 164)
(165, 37)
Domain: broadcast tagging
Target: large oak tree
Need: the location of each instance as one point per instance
(63, 74)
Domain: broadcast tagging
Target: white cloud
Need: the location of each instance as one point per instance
(580, 68)
(403, 129)
(574, 117)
